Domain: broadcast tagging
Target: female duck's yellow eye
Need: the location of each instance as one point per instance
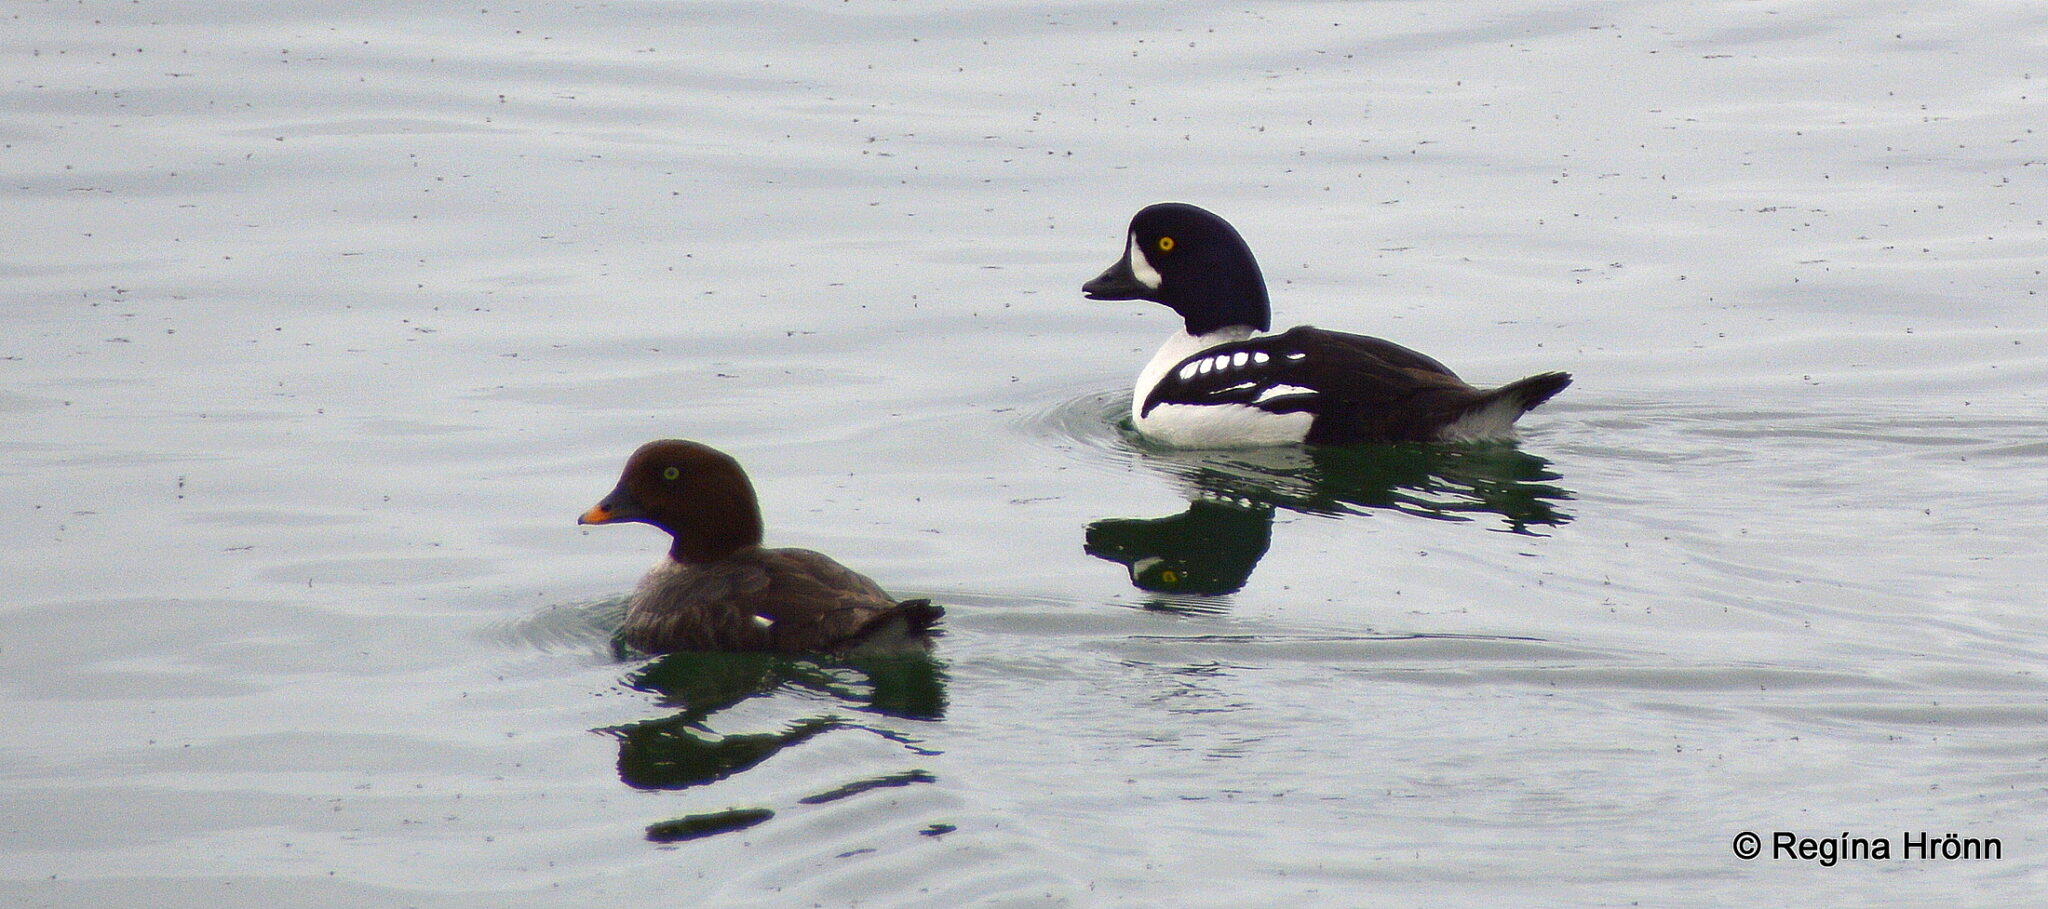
(1170, 576)
(1165, 244)
(670, 473)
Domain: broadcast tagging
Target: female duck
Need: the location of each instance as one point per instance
(718, 589)
(1222, 382)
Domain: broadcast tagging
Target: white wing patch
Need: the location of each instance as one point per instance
(1281, 391)
(1223, 361)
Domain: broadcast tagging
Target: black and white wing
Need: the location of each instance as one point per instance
(1302, 369)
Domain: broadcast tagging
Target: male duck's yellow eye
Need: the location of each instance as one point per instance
(670, 473)
(1165, 244)
(1170, 576)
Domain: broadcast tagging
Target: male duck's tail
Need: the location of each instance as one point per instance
(1492, 415)
(1525, 394)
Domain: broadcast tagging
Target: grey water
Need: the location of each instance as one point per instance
(320, 324)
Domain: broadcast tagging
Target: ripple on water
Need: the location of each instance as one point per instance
(589, 625)
(1090, 427)
(1440, 481)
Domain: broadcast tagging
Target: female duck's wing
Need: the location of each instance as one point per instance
(776, 600)
(812, 603)
(682, 607)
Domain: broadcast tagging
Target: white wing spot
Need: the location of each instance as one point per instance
(1240, 358)
(1279, 391)
(1188, 372)
(1259, 356)
(1297, 355)
(1207, 364)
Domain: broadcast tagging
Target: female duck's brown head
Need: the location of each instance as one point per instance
(696, 493)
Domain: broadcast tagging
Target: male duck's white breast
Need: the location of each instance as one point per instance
(1208, 425)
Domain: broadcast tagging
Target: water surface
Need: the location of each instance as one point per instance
(323, 325)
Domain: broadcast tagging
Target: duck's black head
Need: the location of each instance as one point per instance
(695, 492)
(1193, 261)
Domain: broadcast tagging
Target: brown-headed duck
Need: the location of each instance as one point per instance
(1223, 382)
(719, 589)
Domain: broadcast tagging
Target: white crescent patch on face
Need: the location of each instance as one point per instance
(1141, 267)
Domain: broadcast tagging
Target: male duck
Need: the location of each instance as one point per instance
(718, 589)
(1223, 383)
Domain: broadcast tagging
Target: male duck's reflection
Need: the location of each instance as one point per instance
(681, 750)
(1212, 547)
(1207, 550)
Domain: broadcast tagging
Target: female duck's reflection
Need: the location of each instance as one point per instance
(1212, 547)
(680, 750)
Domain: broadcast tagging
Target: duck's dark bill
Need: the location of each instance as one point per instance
(1116, 284)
